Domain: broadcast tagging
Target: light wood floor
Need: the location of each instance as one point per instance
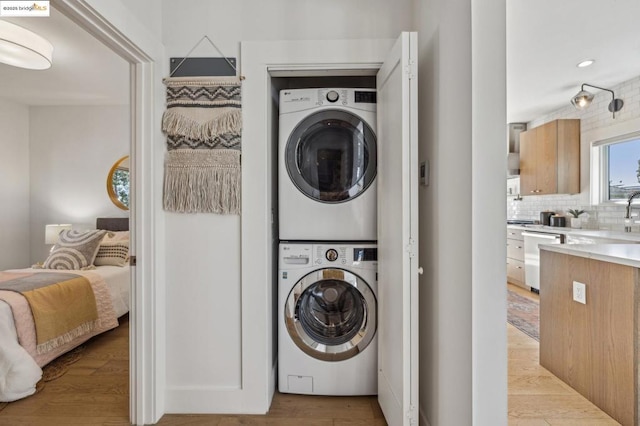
(537, 397)
(95, 392)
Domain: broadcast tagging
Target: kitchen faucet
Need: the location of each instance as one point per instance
(633, 195)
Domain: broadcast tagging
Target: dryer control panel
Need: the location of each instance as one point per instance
(292, 100)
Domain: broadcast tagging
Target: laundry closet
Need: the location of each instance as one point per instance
(319, 354)
(326, 311)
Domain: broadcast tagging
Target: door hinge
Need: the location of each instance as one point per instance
(410, 247)
(132, 260)
(410, 69)
(411, 415)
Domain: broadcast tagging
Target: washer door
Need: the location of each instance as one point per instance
(331, 156)
(331, 314)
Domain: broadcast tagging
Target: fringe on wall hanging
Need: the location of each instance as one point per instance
(203, 124)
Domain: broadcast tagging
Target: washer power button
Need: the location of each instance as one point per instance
(331, 255)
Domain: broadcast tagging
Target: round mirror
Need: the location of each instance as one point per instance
(118, 183)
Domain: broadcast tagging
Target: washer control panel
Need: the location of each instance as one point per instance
(303, 255)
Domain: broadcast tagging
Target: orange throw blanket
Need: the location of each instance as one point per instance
(63, 305)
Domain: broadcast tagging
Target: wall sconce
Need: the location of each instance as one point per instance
(23, 48)
(583, 99)
(52, 233)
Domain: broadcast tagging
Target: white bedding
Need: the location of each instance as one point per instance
(19, 372)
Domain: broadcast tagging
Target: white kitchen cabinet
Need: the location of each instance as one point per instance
(515, 256)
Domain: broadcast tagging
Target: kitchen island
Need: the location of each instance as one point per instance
(593, 346)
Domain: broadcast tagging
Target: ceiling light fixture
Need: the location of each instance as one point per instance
(585, 63)
(583, 99)
(23, 48)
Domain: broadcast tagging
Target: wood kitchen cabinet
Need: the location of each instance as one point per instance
(593, 347)
(550, 158)
(515, 256)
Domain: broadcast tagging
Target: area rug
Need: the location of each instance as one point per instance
(524, 314)
(55, 369)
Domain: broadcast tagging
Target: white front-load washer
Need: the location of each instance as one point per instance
(327, 318)
(327, 165)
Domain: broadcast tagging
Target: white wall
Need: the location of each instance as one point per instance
(462, 292)
(204, 282)
(72, 150)
(14, 186)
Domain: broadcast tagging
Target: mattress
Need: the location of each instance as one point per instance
(19, 371)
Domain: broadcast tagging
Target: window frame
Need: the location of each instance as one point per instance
(600, 168)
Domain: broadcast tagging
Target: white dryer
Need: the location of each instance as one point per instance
(327, 165)
(327, 340)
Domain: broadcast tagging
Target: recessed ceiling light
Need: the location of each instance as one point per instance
(585, 63)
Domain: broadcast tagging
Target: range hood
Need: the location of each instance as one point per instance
(513, 148)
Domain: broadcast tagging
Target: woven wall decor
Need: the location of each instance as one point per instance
(203, 125)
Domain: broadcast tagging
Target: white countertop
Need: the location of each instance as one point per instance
(623, 254)
(632, 237)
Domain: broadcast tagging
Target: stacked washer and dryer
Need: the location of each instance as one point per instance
(327, 278)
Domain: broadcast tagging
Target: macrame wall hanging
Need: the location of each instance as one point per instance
(203, 125)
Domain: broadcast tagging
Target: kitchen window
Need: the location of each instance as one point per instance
(616, 168)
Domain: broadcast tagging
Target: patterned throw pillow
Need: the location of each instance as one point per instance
(112, 253)
(113, 236)
(75, 250)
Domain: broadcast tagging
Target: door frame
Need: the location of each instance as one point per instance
(146, 369)
(260, 62)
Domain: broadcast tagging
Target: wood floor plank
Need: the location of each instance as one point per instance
(62, 421)
(527, 422)
(537, 385)
(273, 421)
(189, 420)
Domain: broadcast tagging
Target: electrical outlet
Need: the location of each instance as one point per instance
(580, 292)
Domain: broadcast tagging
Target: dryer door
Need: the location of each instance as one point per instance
(331, 156)
(331, 314)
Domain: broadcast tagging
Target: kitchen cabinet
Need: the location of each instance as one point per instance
(515, 256)
(593, 346)
(550, 158)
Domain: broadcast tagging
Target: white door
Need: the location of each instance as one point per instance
(398, 233)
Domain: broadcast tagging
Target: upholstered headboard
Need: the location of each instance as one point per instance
(113, 223)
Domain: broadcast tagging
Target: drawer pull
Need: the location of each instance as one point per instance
(519, 267)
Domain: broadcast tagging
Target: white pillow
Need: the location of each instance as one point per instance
(112, 253)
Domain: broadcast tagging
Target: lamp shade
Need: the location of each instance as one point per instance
(23, 48)
(582, 99)
(52, 232)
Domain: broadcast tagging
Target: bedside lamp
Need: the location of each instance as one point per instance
(52, 233)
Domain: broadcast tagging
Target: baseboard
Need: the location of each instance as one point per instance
(211, 400)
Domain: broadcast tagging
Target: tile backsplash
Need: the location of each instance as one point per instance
(609, 217)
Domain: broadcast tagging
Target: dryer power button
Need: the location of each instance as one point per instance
(332, 96)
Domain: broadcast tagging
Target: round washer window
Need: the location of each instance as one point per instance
(331, 314)
(331, 156)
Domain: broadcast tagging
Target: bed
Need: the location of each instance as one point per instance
(31, 335)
